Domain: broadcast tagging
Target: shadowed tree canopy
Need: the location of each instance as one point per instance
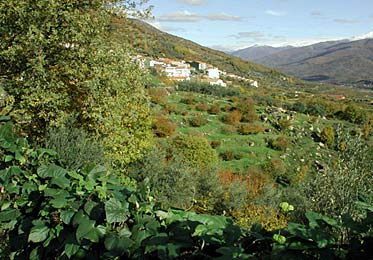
(56, 62)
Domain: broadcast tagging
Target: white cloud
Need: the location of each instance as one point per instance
(345, 21)
(275, 13)
(253, 35)
(192, 2)
(180, 16)
(186, 16)
(223, 17)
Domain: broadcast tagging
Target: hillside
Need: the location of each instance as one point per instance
(338, 62)
(145, 39)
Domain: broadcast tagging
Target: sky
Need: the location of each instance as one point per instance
(236, 24)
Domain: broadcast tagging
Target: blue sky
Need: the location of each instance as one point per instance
(233, 24)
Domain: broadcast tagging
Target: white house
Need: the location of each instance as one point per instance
(218, 82)
(178, 73)
(213, 73)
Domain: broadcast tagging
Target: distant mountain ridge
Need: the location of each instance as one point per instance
(337, 62)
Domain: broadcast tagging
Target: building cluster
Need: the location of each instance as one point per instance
(180, 70)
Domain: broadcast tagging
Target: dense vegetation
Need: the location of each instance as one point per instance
(230, 173)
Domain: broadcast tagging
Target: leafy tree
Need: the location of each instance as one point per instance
(56, 64)
(327, 136)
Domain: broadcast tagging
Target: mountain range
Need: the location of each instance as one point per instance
(344, 62)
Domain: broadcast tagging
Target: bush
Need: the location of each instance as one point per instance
(327, 136)
(283, 124)
(75, 148)
(299, 107)
(197, 121)
(230, 156)
(280, 143)
(214, 109)
(157, 95)
(355, 115)
(233, 117)
(277, 169)
(202, 107)
(172, 108)
(162, 126)
(245, 129)
(194, 150)
(188, 99)
(215, 144)
(247, 108)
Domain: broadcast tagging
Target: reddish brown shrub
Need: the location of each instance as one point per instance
(215, 144)
(157, 95)
(163, 126)
(202, 107)
(233, 117)
(214, 109)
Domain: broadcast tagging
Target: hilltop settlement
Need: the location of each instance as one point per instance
(181, 70)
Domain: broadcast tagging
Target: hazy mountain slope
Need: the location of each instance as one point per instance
(144, 38)
(254, 53)
(341, 62)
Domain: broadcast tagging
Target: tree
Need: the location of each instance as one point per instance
(56, 64)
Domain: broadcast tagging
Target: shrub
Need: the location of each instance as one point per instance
(75, 148)
(277, 169)
(283, 124)
(233, 117)
(299, 107)
(280, 143)
(188, 99)
(246, 129)
(172, 108)
(202, 107)
(227, 108)
(195, 150)
(355, 115)
(214, 109)
(215, 144)
(197, 120)
(157, 95)
(247, 108)
(162, 126)
(327, 136)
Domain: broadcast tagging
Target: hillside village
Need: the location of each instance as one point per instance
(180, 70)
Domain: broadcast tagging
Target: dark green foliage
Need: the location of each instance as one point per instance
(230, 156)
(206, 88)
(355, 115)
(74, 147)
(298, 106)
(215, 144)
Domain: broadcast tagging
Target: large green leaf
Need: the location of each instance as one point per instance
(116, 211)
(61, 181)
(51, 171)
(87, 230)
(71, 249)
(9, 214)
(38, 233)
(118, 245)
